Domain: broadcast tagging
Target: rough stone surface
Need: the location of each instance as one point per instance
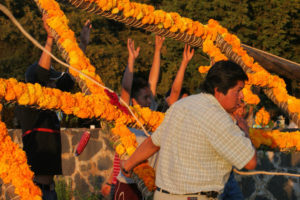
(65, 146)
(275, 186)
(87, 172)
(90, 150)
(96, 181)
(81, 185)
(68, 166)
(247, 186)
(104, 163)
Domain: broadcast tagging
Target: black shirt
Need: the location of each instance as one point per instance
(41, 131)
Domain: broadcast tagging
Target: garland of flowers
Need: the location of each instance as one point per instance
(173, 21)
(58, 22)
(275, 139)
(159, 16)
(262, 77)
(14, 168)
(83, 106)
(147, 173)
(209, 32)
(204, 69)
(249, 97)
(259, 76)
(262, 117)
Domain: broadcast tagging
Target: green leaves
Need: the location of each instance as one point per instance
(272, 26)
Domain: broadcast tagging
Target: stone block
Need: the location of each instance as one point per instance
(65, 145)
(68, 166)
(295, 159)
(104, 163)
(286, 159)
(94, 133)
(96, 182)
(248, 186)
(261, 198)
(265, 162)
(92, 148)
(81, 185)
(277, 186)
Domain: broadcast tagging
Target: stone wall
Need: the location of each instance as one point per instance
(86, 173)
(269, 187)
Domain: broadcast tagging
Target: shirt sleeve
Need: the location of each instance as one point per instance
(228, 139)
(42, 75)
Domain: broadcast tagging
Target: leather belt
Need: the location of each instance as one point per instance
(208, 194)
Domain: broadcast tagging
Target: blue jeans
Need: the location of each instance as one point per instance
(232, 190)
(112, 191)
(49, 194)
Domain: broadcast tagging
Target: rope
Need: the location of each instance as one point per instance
(36, 43)
(11, 17)
(265, 173)
(130, 21)
(225, 48)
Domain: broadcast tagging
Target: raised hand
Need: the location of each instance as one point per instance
(133, 53)
(159, 40)
(188, 53)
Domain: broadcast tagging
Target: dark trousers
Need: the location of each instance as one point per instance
(48, 191)
(125, 191)
(232, 190)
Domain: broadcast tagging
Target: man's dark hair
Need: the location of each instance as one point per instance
(223, 75)
(138, 83)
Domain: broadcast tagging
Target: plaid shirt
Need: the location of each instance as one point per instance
(199, 144)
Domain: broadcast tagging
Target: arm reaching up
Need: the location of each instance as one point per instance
(85, 35)
(155, 69)
(188, 54)
(128, 74)
(45, 59)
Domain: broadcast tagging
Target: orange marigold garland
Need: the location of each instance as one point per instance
(147, 174)
(148, 15)
(204, 69)
(83, 106)
(14, 168)
(275, 139)
(262, 77)
(249, 97)
(262, 117)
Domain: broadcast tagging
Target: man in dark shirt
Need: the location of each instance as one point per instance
(41, 128)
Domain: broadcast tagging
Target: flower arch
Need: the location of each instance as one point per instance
(97, 102)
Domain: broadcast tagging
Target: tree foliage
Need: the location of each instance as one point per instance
(269, 25)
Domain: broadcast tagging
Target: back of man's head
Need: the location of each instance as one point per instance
(223, 75)
(138, 83)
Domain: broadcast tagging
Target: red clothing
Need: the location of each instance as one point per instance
(116, 168)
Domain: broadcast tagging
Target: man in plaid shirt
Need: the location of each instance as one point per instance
(198, 141)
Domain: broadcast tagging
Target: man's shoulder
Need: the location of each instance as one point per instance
(198, 100)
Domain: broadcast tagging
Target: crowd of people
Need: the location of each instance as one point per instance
(193, 151)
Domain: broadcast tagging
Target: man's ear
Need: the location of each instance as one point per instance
(218, 94)
(216, 91)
